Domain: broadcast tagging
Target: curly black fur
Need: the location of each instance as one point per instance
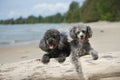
(56, 45)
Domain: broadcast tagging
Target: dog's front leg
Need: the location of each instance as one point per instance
(77, 64)
(75, 60)
(93, 53)
(45, 58)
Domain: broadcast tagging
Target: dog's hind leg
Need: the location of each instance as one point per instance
(93, 53)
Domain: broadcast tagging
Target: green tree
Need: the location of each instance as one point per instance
(116, 10)
(57, 18)
(89, 12)
(40, 18)
(32, 19)
(109, 9)
(73, 14)
(105, 9)
(9, 21)
(19, 20)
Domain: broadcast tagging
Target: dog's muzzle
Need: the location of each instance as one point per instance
(51, 43)
(81, 37)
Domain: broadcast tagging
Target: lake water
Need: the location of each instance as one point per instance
(22, 34)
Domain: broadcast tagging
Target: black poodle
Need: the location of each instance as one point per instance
(56, 45)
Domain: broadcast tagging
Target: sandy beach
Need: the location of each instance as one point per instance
(24, 62)
(106, 38)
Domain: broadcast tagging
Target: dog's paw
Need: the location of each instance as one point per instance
(61, 59)
(95, 57)
(94, 54)
(45, 59)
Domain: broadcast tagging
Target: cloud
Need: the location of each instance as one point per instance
(11, 14)
(8, 8)
(17, 13)
(51, 8)
(14, 14)
(43, 9)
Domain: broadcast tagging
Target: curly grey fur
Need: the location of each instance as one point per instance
(78, 48)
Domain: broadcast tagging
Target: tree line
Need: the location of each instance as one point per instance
(90, 11)
(57, 18)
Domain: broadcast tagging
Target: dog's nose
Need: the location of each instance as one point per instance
(50, 40)
(81, 36)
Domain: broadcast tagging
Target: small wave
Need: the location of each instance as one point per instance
(17, 42)
(7, 42)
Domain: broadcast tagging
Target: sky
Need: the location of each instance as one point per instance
(16, 8)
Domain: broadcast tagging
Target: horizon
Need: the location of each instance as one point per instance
(15, 9)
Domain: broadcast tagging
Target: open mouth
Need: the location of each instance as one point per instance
(51, 46)
(82, 39)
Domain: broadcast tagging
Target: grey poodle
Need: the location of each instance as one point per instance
(56, 45)
(80, 45)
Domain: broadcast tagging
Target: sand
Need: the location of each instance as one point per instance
(105, 39)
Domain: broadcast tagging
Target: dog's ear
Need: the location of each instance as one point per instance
(72, 33)
(89, 32)
(43, 45)
(63, 41)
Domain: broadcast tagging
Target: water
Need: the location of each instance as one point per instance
(13, 35)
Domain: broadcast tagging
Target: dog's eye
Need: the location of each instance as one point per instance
(83, 31)
(54, 36)
(78, 32)
(47, 38)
